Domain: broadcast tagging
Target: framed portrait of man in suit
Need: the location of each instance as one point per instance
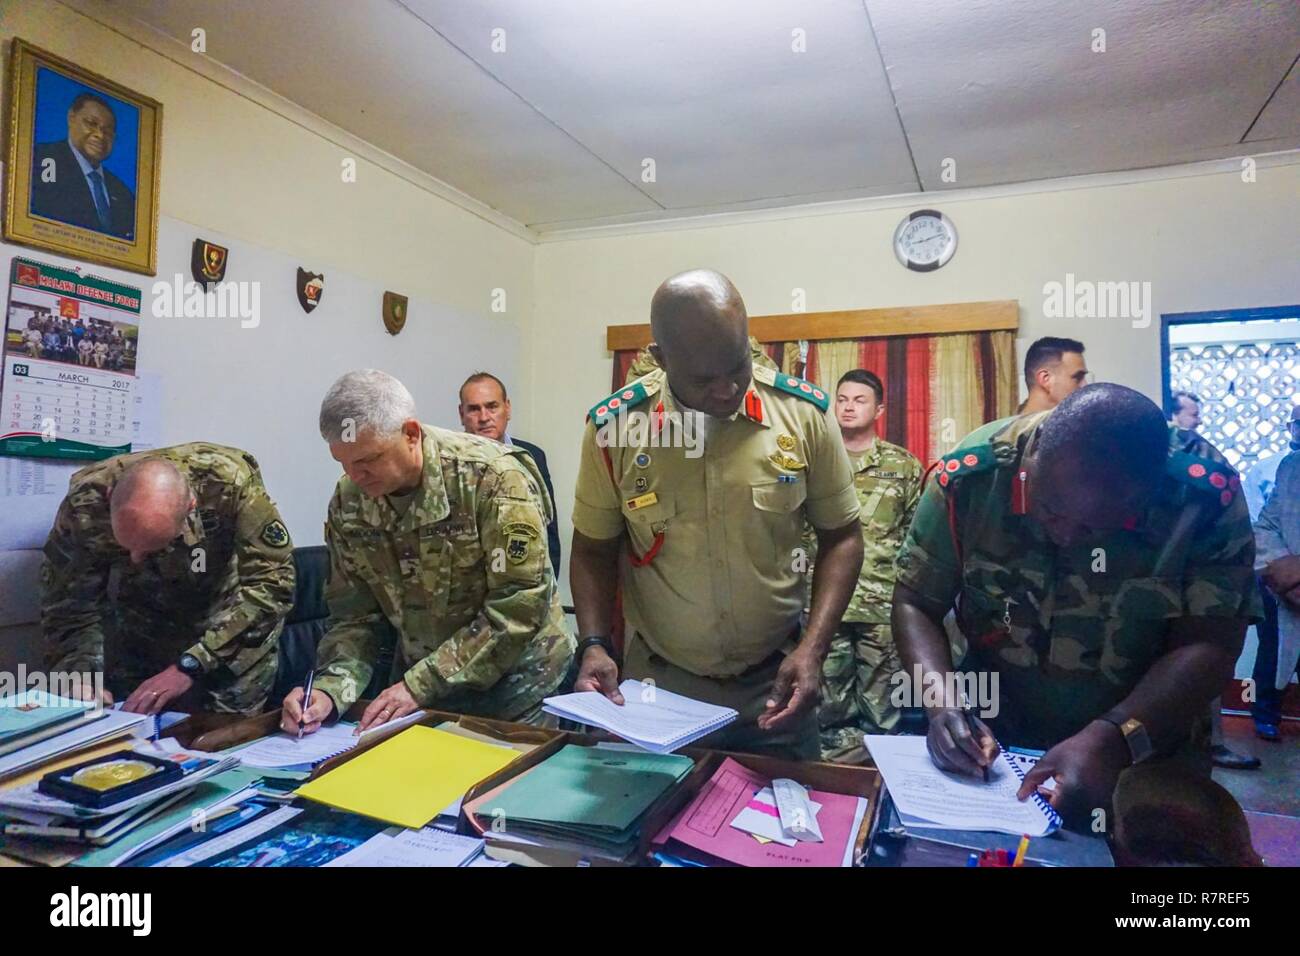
(82, 171)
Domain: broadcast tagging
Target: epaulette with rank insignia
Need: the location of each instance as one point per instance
(630, 394)
(801, 389)
(965, 461)
(1205, 474)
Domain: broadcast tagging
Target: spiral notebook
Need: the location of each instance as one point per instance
(650, 717)
(281, 750)
(926, 796)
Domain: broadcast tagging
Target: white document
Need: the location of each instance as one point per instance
(425, 847)
(286, 750)
(650, 717)
(798, 813)
(31, 490)
(764, 820)
(928, 796)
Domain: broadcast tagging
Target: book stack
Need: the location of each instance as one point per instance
(583, 804)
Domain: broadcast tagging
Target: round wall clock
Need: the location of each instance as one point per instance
(925, 240)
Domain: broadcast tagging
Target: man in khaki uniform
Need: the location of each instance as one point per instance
(171, 572)
(644, 363)
(857, 688)
(442, 535)
(694, 483)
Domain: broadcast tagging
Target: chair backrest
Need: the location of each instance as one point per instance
(305, 625)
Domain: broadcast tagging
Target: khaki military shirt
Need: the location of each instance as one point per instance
(461, 573)
(220, 591)
(709, 570)
(1071, 631)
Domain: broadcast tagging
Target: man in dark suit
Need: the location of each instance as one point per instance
(69, 181)
(485, 410)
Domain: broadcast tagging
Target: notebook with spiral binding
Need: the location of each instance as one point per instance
(1017, 762)
(927, 796)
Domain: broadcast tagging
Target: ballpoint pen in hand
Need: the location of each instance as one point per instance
(306, 699)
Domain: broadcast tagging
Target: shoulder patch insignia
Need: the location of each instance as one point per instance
(275, 534)
(631, 394)
(801, 389)
(964, 461)
(1204, 474)
(517, 547)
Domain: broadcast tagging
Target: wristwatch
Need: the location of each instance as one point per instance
(1135, 736)
(596, 641)
(190, 665)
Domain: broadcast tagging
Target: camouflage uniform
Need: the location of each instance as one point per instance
(219, 592)
(712, 592)
(1071, 631)
(461, 574)
(856, 686)
(645, 363)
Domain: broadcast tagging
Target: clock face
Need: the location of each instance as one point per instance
(925, 240)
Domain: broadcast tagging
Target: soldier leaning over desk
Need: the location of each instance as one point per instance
(169, 571)
(1104, 575)
(705, 533)
(442, 535)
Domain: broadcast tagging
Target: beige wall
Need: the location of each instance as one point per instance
(1203, 242)
(236, 171)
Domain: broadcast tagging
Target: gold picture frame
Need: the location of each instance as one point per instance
(96, 201)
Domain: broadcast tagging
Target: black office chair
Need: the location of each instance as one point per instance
(305, 626)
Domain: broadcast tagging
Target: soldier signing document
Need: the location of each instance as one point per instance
(439, 536)
(171, 572)
(693, 489)
(1103, 575)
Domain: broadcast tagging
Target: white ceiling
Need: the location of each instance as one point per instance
(553, 131)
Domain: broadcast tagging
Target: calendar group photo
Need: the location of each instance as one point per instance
(69, 363)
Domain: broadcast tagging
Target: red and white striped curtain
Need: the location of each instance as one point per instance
(938, 388)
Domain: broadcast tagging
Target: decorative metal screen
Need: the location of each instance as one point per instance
(1246, 390)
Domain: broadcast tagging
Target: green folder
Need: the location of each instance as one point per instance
(591, 787)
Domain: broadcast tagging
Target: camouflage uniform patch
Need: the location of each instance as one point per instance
(101, 612)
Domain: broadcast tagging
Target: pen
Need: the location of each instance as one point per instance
(1020, 851)
(968, 710)
(306, 699)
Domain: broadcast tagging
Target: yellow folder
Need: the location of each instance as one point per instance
(410, 778)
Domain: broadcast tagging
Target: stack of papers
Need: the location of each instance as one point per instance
(30, 813)
(34, 715)
(650, 717)
(75, 737)
(926, 796)
(586, 802)
(410, 778)
(718, 827)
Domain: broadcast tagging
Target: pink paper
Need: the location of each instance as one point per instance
(705, 823)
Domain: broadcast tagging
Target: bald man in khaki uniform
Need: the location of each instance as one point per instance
(694, 483)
